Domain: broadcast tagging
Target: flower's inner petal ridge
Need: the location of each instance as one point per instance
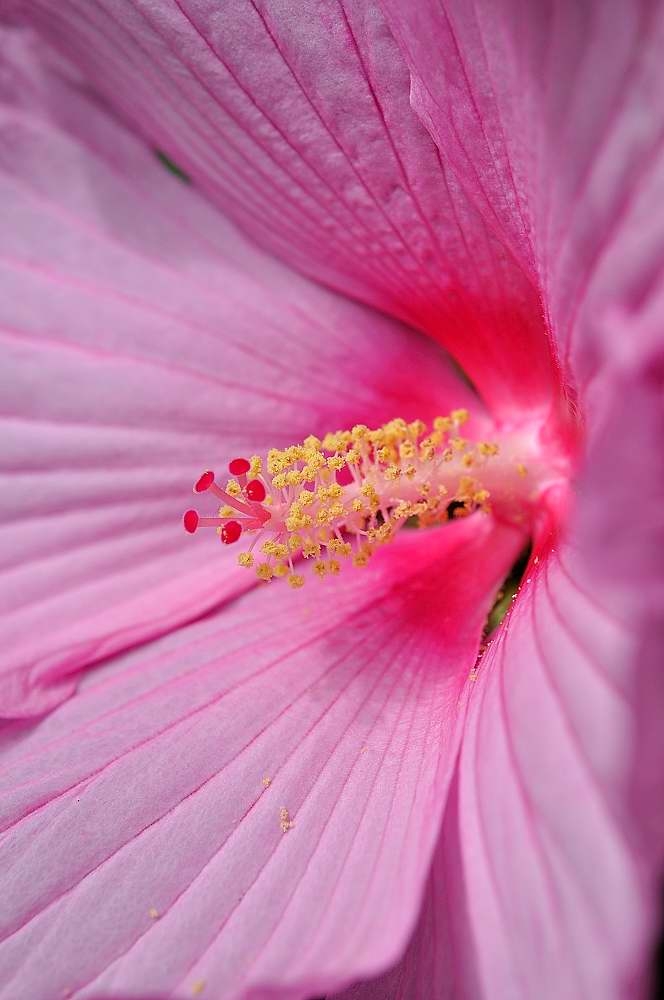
(343, 496)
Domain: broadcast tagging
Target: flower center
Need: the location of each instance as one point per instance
(345, 495)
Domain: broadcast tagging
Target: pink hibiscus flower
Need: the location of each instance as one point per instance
(266, 792)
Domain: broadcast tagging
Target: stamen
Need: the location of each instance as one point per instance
(343, 496)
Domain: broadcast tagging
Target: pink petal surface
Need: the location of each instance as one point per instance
(545, 880)
(348, 697)
(439, 962)
(144, 341)
(551, 119)
(300, 130)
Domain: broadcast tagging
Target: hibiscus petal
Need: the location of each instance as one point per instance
(299, 128)
(143, 341)
(340, 705)
(551, 118)
(551, 865)
(439, 962)
(561, 819)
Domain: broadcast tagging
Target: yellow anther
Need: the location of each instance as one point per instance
(227, 511)
(336, 462)
(310, 549)
(276, 549)
(407, 450)
(294, 478)
(459, 416)
(296, 581)
(245, 559)
(353, 456)
(443, 424)
(488, 448)
(312, 442)
(320, 569)
(279, 481)
(264, 571)
(255, 466)
(333, 566)
(305, 498)
(357, 505)
(392, 472)
(295, 542)
(233, 488)
(280, 569)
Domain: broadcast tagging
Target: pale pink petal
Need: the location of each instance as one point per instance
(143, 851)
(299, 128)
(561, 820)
(551, 118)
(439, 962)
(551, 867)
(143, 341)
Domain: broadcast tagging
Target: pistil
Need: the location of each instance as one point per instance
(345, 495)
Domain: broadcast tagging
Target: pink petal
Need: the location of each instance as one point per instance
(561, 817)
(551, 119)
(146, 790)
(143, 341)
(546, 879)
(439, 962)
(300, 129)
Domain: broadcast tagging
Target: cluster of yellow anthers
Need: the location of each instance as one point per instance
(343, 496)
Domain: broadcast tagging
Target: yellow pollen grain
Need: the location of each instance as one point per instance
(521, 469)
(285, 821)
(197, 987)
(153, 913)
(267, 781)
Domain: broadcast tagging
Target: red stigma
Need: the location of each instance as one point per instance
(204, 483)
(239, 466)
(230, 532)
(255, 490)
(190, 520)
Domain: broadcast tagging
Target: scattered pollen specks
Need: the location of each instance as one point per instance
(267, 781)
(197, 987)
(521, 469)
(472, 676)
(364, 750)
(285, 821)
(153, 913)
